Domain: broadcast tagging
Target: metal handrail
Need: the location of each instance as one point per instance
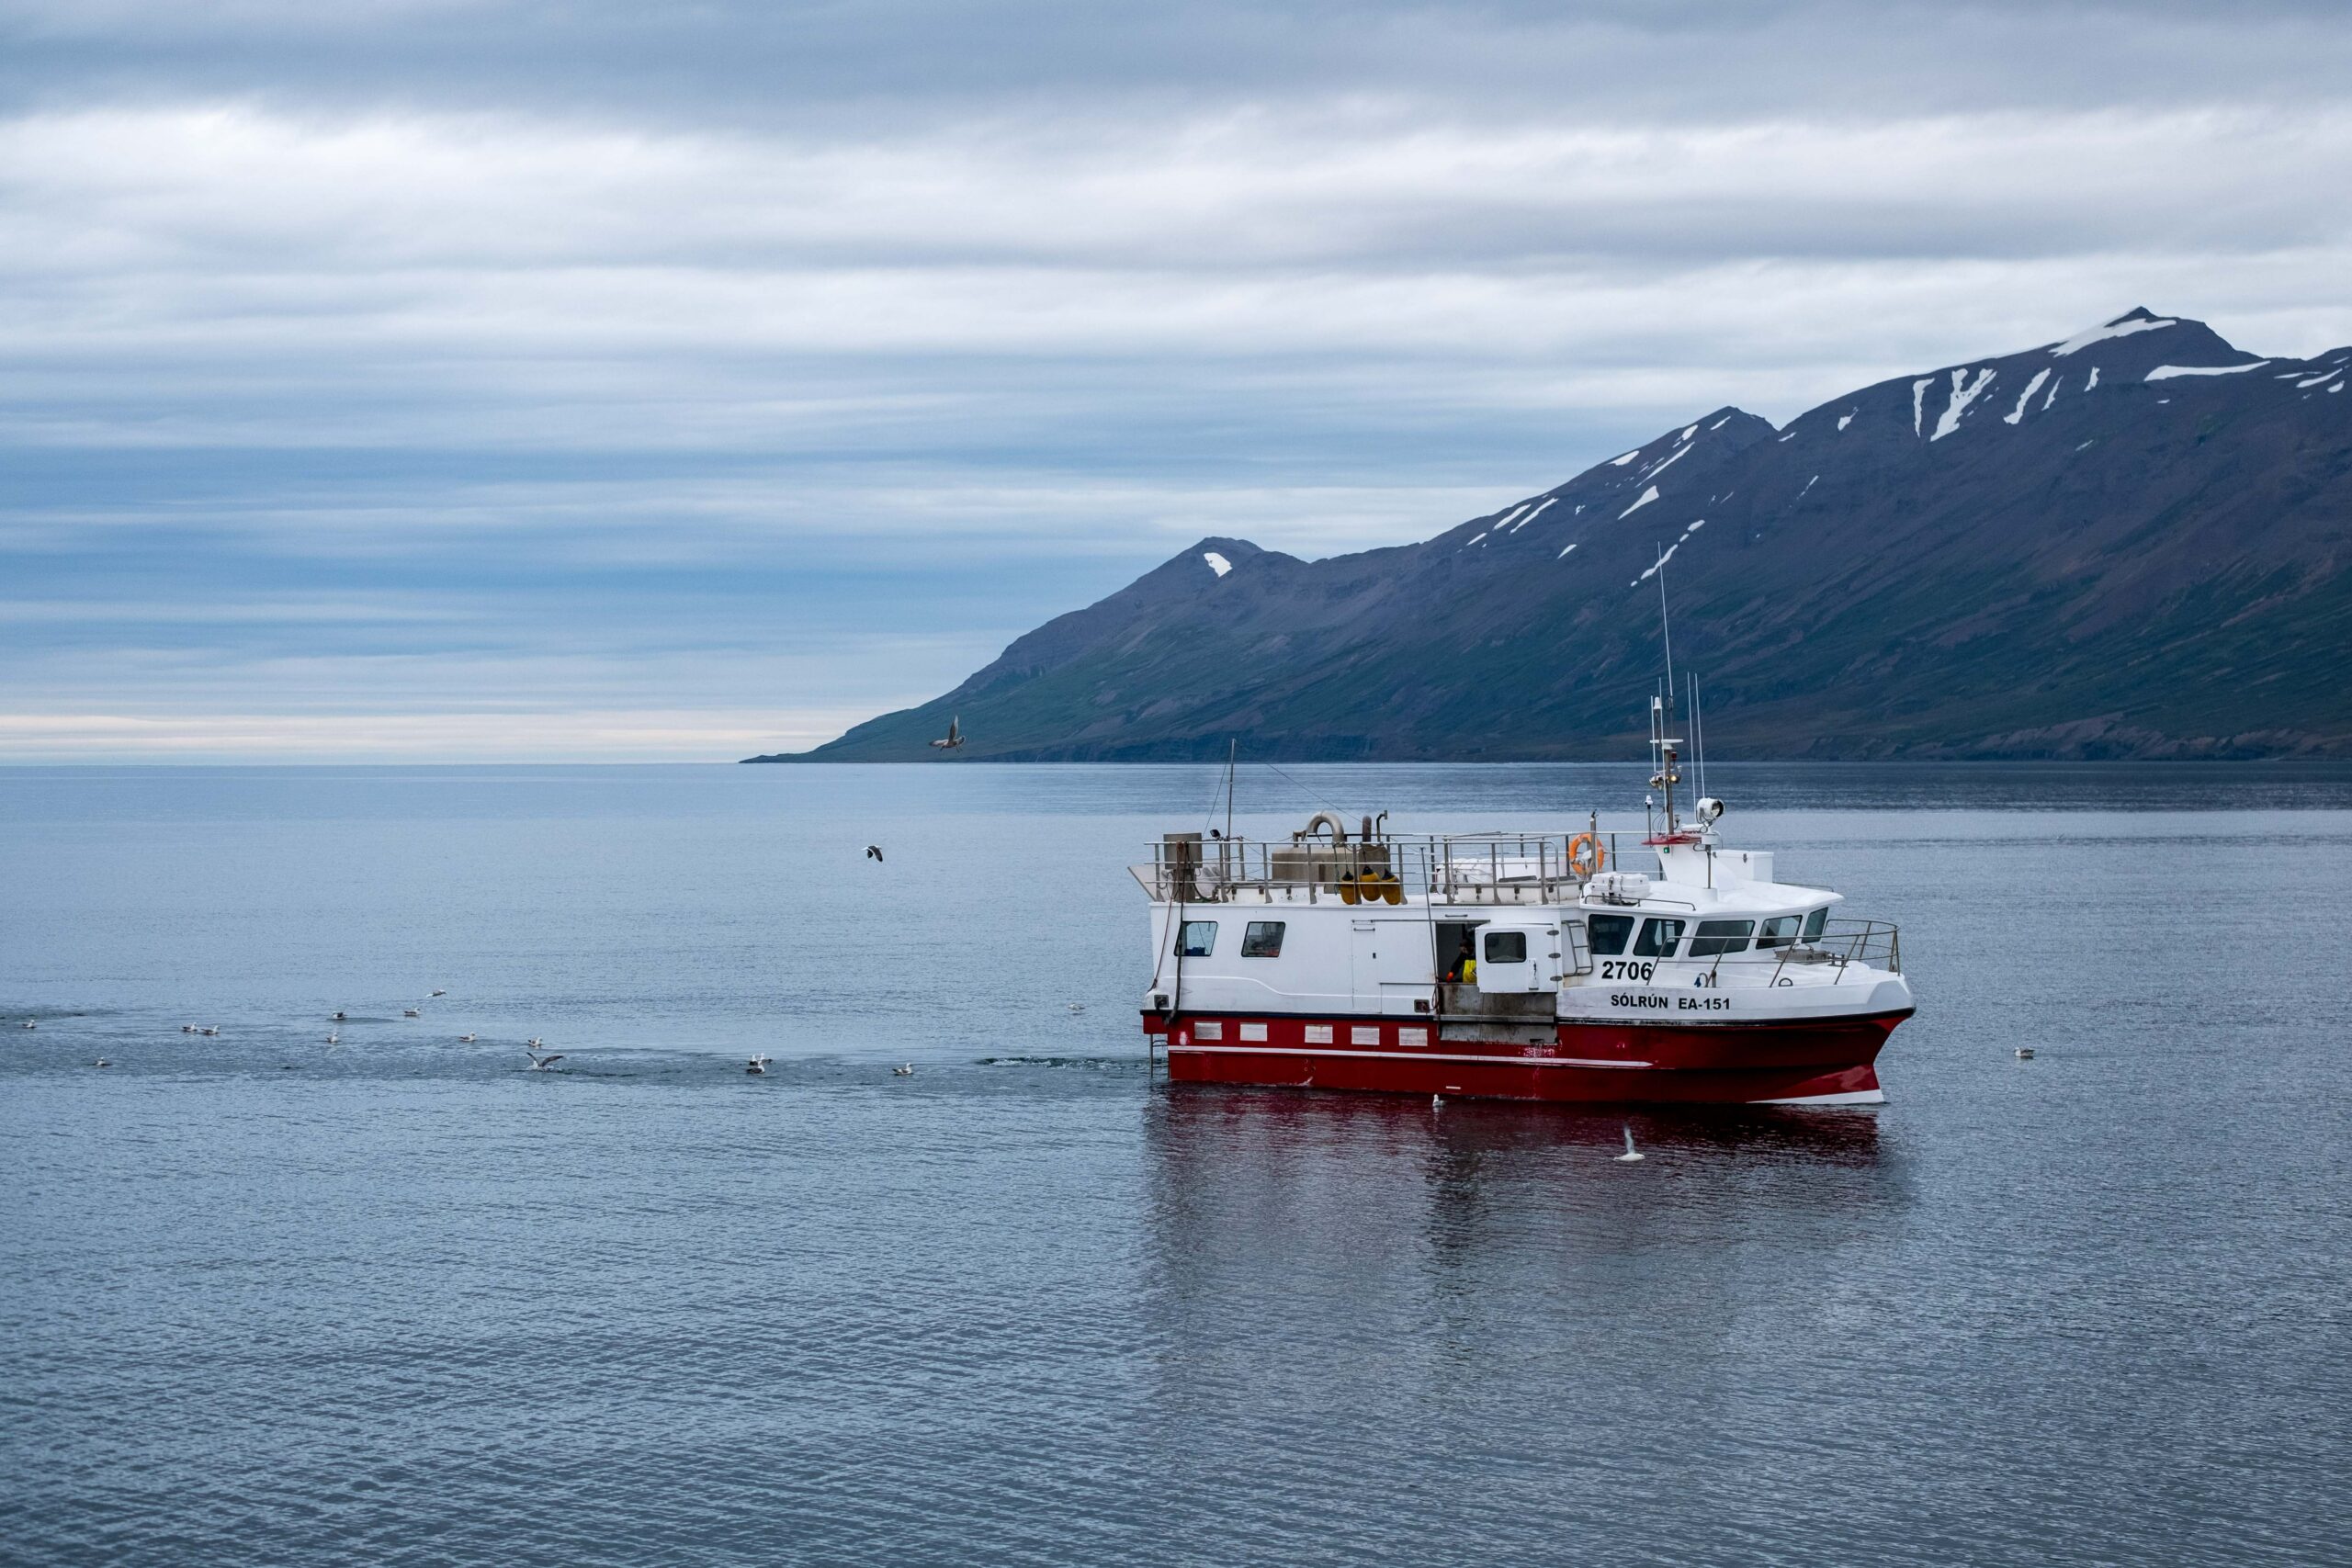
(1463, 868)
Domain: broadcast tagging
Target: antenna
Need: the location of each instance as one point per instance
(1666, 628)
(1233, 751)
(1698, 733)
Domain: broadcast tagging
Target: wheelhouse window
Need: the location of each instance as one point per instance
(1263, 940)
(1658, 939)
(1781, 931)
(1714, 938)
(1505, 947)
(1814, 922)
(1609, 933)
(1195, 938)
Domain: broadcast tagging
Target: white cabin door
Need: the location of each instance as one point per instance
(1511, 960)
(1388, 961)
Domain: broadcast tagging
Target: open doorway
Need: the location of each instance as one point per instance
(1454, 939)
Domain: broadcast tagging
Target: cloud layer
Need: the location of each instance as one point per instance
(639, 374)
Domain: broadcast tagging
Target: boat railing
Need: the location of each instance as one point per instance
(1874, 944)
(1457, 868)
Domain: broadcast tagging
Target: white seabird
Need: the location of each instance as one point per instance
(757, 1065)
(465, 1039)
(905, 1070)
(541, 1063)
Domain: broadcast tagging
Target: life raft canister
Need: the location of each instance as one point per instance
(1586, 857)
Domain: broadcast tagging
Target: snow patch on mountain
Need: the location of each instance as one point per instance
(1963, 392)
(2122, 326)
(2016, 413)
(1655, 565)
(1668, 463)
(1621, 462)
(1647, 496)
(1564, 554)
(1534, 514)
(1848, 418)
(2167, 372)
(1217, 563)
(2093, 381)
(1919, 401)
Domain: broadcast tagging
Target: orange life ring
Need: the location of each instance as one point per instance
(1586, 856)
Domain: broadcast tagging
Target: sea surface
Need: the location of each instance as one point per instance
(404, 1300)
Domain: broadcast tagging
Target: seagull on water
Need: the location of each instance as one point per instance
(2025, 1053)
(440, 993)
(757, 1065)
(209, 1028)
(338, 1018)
(465, 1039)
(334, 1039)
(411, 1012)
(906, 1070)
(1631, 1152)
(188, 1029)
(103, 1063)
(31, 1024)
(1078, 1007)
(541, 1063)
(533, 1044)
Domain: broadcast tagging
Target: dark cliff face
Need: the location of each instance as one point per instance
(2130, 543)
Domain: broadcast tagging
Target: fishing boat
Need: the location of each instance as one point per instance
(1515, 965)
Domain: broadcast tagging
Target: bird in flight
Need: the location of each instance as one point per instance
(872, 851)
(541, 1063)
(955, 735)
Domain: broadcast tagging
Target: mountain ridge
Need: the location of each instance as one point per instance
(2129, 541)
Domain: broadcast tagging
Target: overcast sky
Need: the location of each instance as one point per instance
(521, 378)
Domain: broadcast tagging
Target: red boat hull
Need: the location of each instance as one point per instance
(1824, 1061)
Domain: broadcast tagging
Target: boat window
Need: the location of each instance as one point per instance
(1505, 947)
(1781, 931)
(1716, 937)
(1609, 933)
(1814, 922)
(1195, 938)
(1263, 940)
(1658, 939)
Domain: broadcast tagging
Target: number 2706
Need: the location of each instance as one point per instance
(1626, 969)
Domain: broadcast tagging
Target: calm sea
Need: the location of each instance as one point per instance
(401, 1299)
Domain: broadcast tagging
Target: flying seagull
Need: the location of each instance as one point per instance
(1631, 1152)
(541, 1063)
(955, 735)
(872, 851)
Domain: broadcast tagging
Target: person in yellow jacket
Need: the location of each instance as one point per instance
(1466, 964)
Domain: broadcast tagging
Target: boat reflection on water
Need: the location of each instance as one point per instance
(1361, 1186)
